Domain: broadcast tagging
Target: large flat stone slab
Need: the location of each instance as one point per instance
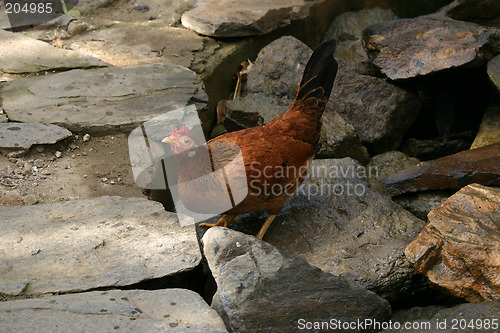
(116, 310)
(85, 244)
(100, 100)
(22, 54)
(234, 19)
(22, 136)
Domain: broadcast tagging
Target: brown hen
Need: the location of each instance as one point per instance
(275, 156)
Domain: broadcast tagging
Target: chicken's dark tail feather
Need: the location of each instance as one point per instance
(319, 74)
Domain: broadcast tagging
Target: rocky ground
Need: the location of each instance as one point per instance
(410, 146)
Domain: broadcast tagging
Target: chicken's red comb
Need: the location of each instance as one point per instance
(176, 132)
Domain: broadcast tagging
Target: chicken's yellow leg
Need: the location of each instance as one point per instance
(266, 225)
(224, 221)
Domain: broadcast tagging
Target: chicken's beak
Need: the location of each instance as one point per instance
(170, 141)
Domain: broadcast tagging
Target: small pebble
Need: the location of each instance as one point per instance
(30, 199)
(112, 182)
(104, 179)
(86, 137)
(58, 154)
(39, 163)
(73, 156)
(85, 176)
(141, 6)
(73, 146)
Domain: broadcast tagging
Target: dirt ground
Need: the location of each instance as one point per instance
(85, 169)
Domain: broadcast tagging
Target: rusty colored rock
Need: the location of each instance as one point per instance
(459, 250)
(408, 48)
(481, 165)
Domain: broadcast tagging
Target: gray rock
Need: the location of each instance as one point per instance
(350, 25)
(38, 56)
(337, 222)
(104, 99)
(21, 136)
(115, 310)
(389, 163)
(260, 289)
(408, 48)
(236, 19)
(489, 131)
(281, 61)
(85, 244)
(494, 71)
(272, 84)
(380, 111)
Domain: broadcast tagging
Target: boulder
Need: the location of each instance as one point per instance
(337, 222)
(92, 243)
(272, 84)
(380, 112)
(236, 19)
(21, 136)
(459, 249)
(489, 131)
(38, 56)
(103, 100)
(260, 289)
(114, 310)
(408, 48)
(481, 165)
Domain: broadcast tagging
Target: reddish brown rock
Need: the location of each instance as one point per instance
(408, 48)
(481, 165)
(459, 250)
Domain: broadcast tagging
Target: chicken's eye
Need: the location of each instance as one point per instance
(186, 141)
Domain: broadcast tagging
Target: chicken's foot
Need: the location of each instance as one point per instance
(266, 225)
(224, 221)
